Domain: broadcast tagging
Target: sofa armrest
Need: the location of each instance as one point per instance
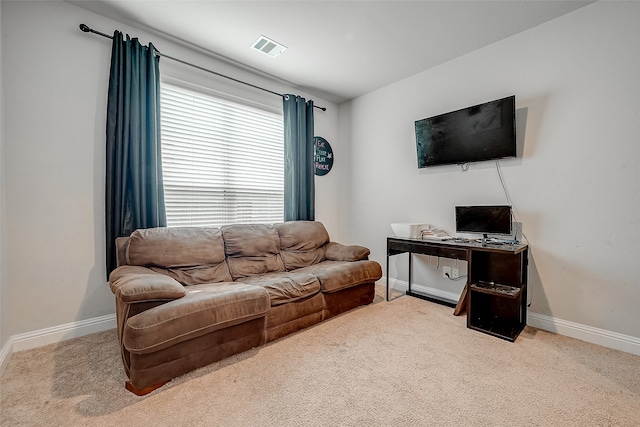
(121, 250)
(137, 284)
(339, 252)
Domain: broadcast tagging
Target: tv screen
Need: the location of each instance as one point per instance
(483, 219)
(482, 132)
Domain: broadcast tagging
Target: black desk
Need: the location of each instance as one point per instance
(496, 289)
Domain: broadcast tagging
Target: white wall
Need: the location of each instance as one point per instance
(4, 337)
(576, 187)
(55, 81)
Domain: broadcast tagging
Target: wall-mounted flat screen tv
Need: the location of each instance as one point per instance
(482, 132)
(483, 219)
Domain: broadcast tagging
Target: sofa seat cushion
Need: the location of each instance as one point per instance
(286, 287)
(337, 275)
(204, 309)
(199, 274)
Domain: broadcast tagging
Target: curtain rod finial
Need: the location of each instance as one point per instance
(84, 28)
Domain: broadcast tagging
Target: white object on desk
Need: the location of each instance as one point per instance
(412, 230)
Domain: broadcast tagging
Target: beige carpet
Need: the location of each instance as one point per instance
(406, 362)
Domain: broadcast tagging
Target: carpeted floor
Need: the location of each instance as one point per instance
(407, 362)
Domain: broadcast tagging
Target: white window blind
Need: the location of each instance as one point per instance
(222, 161)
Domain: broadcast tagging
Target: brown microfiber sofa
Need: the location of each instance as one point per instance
(186, 297)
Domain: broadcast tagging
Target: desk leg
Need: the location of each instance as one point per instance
(387, 276)
(410, 272)
(462, 302)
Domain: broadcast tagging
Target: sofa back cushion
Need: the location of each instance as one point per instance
(302, 243)
(252, 249)
(191, 255)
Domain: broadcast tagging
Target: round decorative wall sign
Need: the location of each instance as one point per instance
(322, 156)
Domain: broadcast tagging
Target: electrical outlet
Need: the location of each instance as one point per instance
(455, 273)
(446, 271)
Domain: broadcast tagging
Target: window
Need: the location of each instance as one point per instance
(222, 161)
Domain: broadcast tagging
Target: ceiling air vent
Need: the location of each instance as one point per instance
(268, 46)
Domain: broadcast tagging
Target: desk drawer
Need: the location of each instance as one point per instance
(426, 248)
(445, 252)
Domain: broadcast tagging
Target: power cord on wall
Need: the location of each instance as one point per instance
(518, 224)
(447, 274)
(465, 167)
(454, 279)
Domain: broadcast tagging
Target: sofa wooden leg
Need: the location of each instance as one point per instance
(142, 391)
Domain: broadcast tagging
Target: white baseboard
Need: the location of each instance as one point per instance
(67, 331)
(54, 334)
(586, 333)
(401, 285)
(5, 354)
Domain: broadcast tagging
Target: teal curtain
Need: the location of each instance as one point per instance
(134, 189)
(299, 188)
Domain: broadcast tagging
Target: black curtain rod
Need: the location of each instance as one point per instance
(86, 29)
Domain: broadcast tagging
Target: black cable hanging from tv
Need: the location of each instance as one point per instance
(87, 29)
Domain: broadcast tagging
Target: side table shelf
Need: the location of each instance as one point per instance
(497, 289)
(496, 309)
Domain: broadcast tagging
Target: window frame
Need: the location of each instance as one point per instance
(240, 101)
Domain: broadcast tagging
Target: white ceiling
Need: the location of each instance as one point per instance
(337, 50)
